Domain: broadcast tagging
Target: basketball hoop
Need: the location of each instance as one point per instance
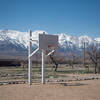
(47, 44)
(50, 48)
(50, 45)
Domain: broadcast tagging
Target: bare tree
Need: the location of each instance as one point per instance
(94, 55)
(73, 60)
(23, 63)
(56, 60)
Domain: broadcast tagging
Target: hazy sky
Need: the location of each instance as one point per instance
(75, 17)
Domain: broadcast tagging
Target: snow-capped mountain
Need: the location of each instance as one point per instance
(12, 41)
(67, 41)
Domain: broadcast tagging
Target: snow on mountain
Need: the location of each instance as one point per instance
(97, 40)
(67, 41)
(20, 39)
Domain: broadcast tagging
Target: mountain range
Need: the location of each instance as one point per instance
(15, 43)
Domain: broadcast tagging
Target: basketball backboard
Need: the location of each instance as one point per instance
(47, 42)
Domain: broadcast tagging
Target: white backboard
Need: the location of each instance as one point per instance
(48, 41)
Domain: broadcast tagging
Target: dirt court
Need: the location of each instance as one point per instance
(86, 90)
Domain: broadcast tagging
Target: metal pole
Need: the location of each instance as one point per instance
(43, 67)
(30, 60)
(84, 55)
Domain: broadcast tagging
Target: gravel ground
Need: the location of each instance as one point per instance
(74, 90)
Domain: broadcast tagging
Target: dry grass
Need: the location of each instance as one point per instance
(18, 73)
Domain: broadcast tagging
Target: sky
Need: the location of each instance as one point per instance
(73, 17)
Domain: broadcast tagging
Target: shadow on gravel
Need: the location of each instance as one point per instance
(72, 84)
